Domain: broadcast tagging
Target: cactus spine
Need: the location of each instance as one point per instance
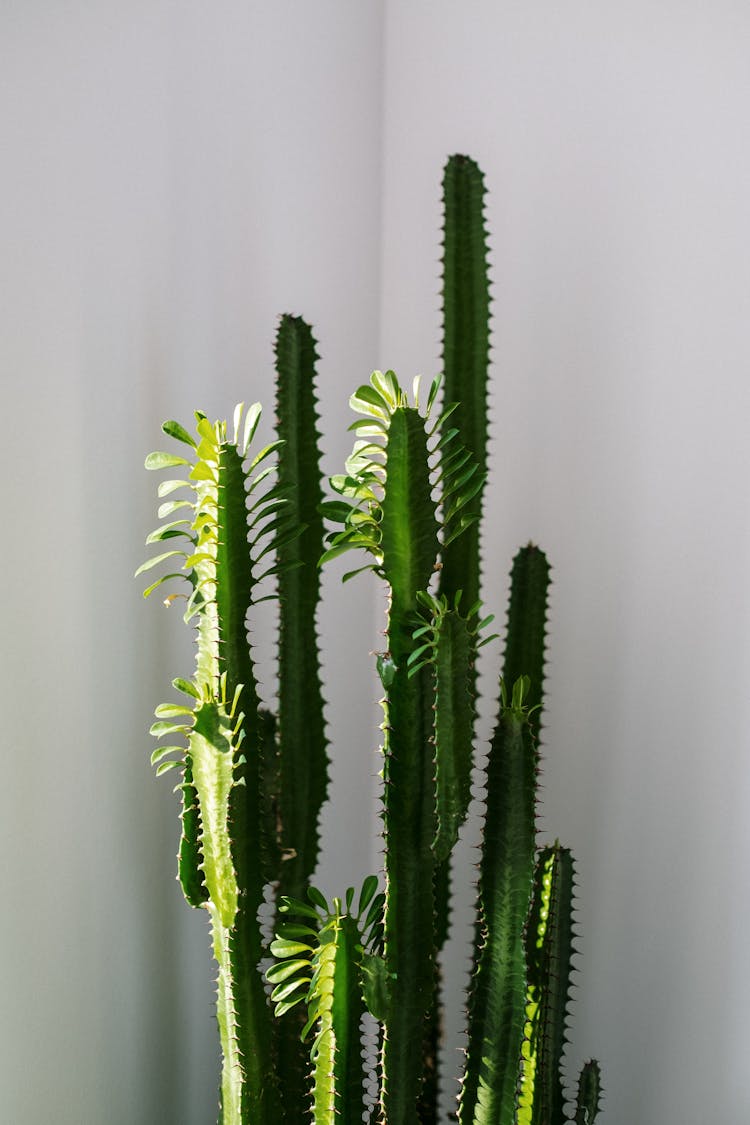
(253, 783)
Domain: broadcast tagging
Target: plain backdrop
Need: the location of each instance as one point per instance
(174, 176)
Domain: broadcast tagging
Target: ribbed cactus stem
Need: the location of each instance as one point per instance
(466, 348)
(409, 539)
(498, 990)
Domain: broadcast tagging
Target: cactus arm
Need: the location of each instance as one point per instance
(338, 1093)
(448, 644)
(410, 545)
(302, 740)
(497, 1004)
(550, 948)
(302, 752)
(589, 1093)
(393, 515)
(223, 786)
(527, 621)
(320, 962)
(466, 320)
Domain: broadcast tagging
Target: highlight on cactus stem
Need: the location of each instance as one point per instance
(241, 525)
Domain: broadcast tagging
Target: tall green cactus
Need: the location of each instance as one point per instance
(253, 783)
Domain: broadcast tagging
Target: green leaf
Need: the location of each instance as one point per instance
(164, 767)
(170, 506)
(203, 472)
(282, 1009)
(159, 729)
(160, 460)
(286, 990)
(318, 899)
(295, 906)
(163, 751)
(164, 578)
(285, 969)
(175, 430)
(166, 487)
(296, 930)
(367, 400)
(207, 432)
(186, 687)
(172, 710)
(281, 947)
(156, 560)
(369, 888)
(251, 422)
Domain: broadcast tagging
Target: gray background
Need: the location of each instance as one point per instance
(175, 175)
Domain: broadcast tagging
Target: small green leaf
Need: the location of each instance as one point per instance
(296, 930)
(170, 506)
(186, 687)
(251, 421)
(206, 431)
(433, 394)
(369, 887)
(162, 752)
(294, 906)
(202, 471)
(375, 911)
(156, 560)
(281, 947)
(164, 578)
(288, 988)
(171, 711)
(282, 1009)
(168, 486)
(159, 460)
(158, 730)
(175, 430)
(317, 897)
(164, 767)
(161, 532)
(285, 969)
(367, 400)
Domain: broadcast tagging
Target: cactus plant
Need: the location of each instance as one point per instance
(291, 1005)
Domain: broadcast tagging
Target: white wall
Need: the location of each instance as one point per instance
(614, 143)
(174, 176)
